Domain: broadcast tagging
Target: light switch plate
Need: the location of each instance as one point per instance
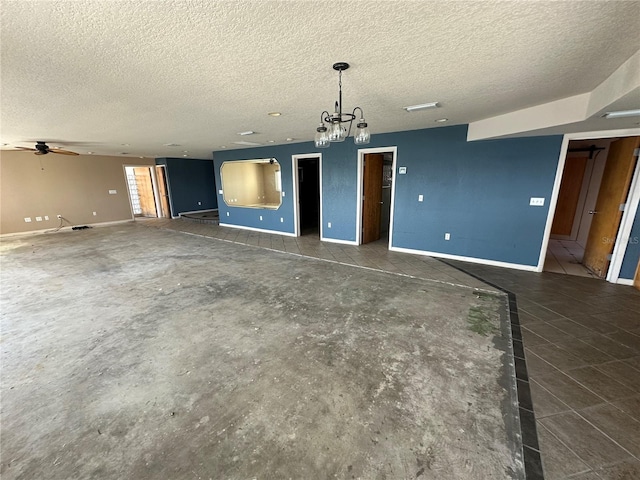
(536, 201)
(420, 198)
(220, 192)
(402, 170)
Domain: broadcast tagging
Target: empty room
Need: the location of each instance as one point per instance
(311, 240)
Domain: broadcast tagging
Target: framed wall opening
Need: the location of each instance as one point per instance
(143, 191)
(375, 195)
(593, 205)
(307, 194)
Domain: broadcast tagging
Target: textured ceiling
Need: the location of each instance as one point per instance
(112, 77)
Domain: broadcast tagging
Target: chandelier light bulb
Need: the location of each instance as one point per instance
(362, 135)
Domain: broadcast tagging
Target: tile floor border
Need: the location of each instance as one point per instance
(530, 446)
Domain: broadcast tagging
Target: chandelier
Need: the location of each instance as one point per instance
(337, 130)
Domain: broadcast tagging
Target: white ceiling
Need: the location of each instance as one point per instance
(112, 77)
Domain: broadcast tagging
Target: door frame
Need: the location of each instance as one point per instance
(628, 215)
(154, 185)
(360, 178)
(296, 190)
(166, 179)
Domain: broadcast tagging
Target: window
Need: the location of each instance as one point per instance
(252, 183)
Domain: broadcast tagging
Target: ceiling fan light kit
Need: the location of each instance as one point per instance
(337, 121)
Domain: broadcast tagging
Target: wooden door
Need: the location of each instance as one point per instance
(144, 185)
(163, 191)
(614, 190)
(372, 197)
(636, 280)
(569, 194)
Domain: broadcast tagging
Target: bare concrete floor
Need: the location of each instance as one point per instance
(132, 352)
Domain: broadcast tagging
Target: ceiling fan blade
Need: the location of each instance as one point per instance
(62, 152)
(38, 152)
(25, 148)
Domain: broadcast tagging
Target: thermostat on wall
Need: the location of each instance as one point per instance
(402, 170)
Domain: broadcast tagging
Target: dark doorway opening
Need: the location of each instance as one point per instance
(309, 195)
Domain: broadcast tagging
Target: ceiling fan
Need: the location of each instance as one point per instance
(42, 149)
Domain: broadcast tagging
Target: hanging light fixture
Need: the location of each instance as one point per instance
(337, 122)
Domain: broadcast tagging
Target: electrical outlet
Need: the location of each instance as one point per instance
(536, 201)
(260, 217)
(112, 192)
(27, 219)
(38, 219)
(199, 203)
(227, 214)
(328, 224)
(447, 236)
(220, 192)
(94, 214)
(281, 220)
(420, 198)
(283, 194)
(46, 217)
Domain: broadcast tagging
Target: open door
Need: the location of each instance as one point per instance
(569, 195)
(163, 191)
(614, 191)
(372, 197)
(144, 184)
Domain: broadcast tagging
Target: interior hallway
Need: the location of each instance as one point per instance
(580, 336)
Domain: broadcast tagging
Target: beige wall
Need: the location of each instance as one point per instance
(71, 186)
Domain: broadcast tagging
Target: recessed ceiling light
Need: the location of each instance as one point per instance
(271, 141)
(248, 132)
(140, 157)
(185, 151)
(274, 114)
(171, 144)
(622, 113)
(442, 120)
(249, 144)
(90, 153)
(125, 144)
(124, 153)
(223, 146)
(290, 139)
(185, 155)
(422, 106)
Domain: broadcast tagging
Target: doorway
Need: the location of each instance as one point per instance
(142, 191)
(375, 194)
(593, 195)
(307, 172)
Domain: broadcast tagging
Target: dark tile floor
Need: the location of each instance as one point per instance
(581, 341)
(582, 345)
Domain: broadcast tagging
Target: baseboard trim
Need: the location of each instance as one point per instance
(262, 230)
(336, 240)
(63, 229)
(625, 281)
(482, 261)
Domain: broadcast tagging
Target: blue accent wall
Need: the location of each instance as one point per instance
(630, 261)
(476, 191)
(190, 181)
